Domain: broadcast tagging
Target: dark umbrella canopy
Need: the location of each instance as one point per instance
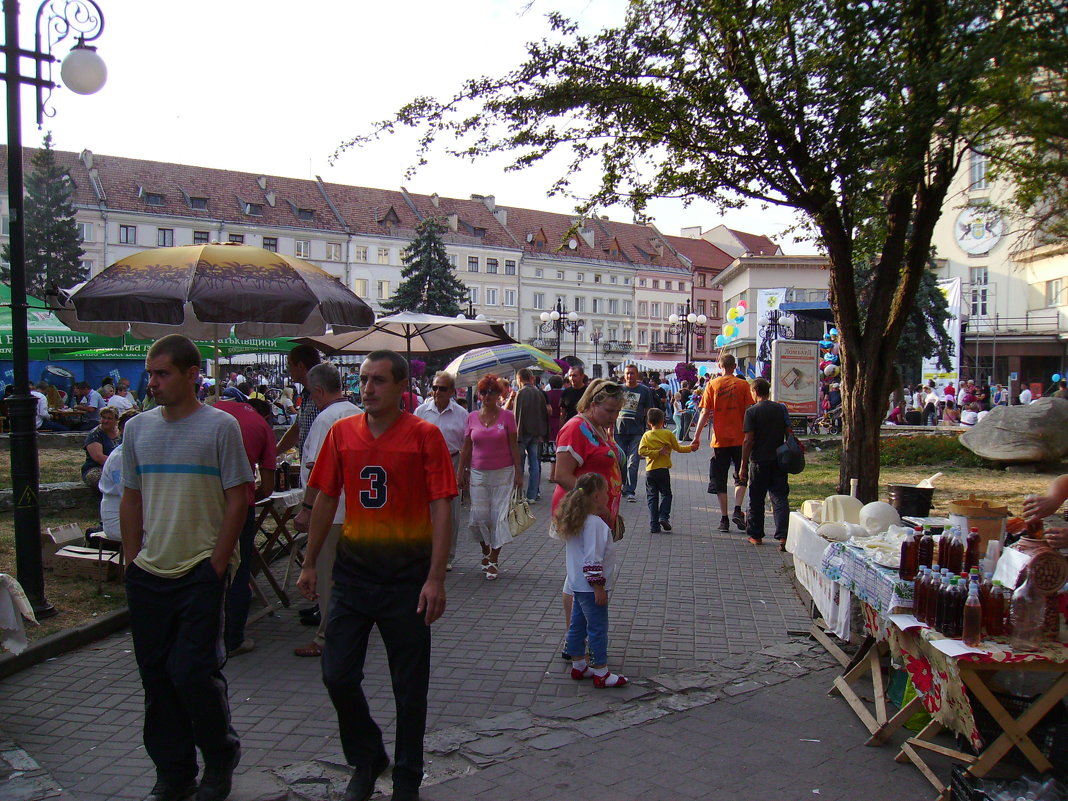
(200, 290)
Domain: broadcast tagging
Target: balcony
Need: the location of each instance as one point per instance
(667, 347)
(542, 343)
(616, 346)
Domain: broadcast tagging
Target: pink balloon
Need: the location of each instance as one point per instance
(743, 305)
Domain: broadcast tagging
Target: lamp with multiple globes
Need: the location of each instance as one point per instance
(686, 325)
(560, 321)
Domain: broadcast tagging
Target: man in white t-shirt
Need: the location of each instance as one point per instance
(1025, 396)
(324, 383)
(121, 400)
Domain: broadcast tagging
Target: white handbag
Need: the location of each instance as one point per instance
(520, 518)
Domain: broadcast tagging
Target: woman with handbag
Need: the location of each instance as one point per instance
(586, 444)
(490, 467)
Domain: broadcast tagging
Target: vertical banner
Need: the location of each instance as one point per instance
(795, 376)
(931, 371)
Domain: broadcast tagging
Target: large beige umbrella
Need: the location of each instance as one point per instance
(413, 333)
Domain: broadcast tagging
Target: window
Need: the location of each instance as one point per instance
(656, 284)
(700, 279)
(128, 234)
(333, 251)
(654, 310)
(613, 333)
(641, 282)
(383, 255)
(612, 279)
(628, 308)
(581, 277)
(713, 309)
(472, 295)
(1055, 292)
(817, 295)
(509, 326)
(383, 290)
(270, 243)
(643, 336)
(359, 254)
(613, 307)
(977, 171)
(680, 310)
(5, 225)
(539, 300)
(198, 203)
(452, 260)
(237, 239)
(699, 307)
(306, 214)
(491, 266)
(491, 297)
(302, 248)
(154, 199)
(596, 278)
(979, 281)
(560, 275)
(254, 209)
(85, 231)
(509, 297)
(203, 237)
(580, 305)
(700, 342)
(472, 264)
(643, 308)
(597, 306)
(359, 286)
(509, 266)
(626, 280)
(87, 266)
(539, 273)
(165, 237)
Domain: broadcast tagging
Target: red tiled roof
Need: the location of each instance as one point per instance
(702, 253)
(756, 244)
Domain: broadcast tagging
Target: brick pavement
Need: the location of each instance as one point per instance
(690, 603)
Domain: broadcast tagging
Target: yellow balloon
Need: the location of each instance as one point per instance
(729, 330)
(732, 314)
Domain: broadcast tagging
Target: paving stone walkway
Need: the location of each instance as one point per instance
(725, 694)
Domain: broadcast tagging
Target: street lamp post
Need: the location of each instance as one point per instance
(559, 320)
(686, 326)
(595, 338)
(83, 72)
(774, 325)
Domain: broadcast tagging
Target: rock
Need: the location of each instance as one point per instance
(1034, 433)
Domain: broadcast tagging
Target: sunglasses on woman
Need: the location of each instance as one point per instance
(489, 392)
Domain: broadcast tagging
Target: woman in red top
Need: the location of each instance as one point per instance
(586, 444)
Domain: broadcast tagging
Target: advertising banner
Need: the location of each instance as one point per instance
(931, 371)
(795, 372)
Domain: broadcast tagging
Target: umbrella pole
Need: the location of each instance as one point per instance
(217, 366)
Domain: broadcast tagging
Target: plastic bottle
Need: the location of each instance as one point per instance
(955, 611)
(942, 604)
(973, 617)
(926, 551)
(971, 549)
(919, 594)
(994, 611)
(909, 566)
(954, 552)
(985, 586)
(934, 581)
(942, 556)
(1028, 611)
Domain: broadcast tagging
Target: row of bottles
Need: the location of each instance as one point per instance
(955, 551)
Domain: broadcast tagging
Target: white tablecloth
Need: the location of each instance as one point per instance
(14, 607)
(832, 599)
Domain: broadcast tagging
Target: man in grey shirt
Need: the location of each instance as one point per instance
(532, 423)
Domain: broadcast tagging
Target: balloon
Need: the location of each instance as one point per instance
(729, 330)
(823, 364)
(721, 341)
(1056, 376)
(732, 314)
(834, 349)
(740, 319)
(830, 370)
(832, 358)
(833, 332)
(702, 371)
(743, 305)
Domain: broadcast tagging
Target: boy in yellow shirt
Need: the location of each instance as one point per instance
(656, 447)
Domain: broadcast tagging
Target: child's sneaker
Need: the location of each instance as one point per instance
(609, 680)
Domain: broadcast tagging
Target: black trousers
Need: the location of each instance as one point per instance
(176, 626)
(356, 607)
(767, 478)
(658, 496)
(239, 596)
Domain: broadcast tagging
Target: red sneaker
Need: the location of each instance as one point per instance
(609, 680)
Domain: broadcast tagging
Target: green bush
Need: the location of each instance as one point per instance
(928, 450)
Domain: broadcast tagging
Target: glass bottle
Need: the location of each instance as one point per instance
(1028, 610)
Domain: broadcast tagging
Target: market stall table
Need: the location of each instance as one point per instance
(278, 509)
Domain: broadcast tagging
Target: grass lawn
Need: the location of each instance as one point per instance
(57, 464)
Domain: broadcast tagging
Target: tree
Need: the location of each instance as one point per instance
(53, 242)
(844, 111)
(430, 284)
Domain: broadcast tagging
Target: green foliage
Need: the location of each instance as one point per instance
(430, 284)
(935, 451)
(53, 244)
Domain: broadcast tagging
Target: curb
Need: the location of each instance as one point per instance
(63, 641)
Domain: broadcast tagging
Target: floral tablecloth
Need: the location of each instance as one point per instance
(936, 676)
(871, 582)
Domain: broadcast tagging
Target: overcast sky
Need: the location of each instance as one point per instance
(274, 86)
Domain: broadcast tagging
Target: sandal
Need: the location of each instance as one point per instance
(609, 680)
(491, 566)
(312, 650)
(485, 564)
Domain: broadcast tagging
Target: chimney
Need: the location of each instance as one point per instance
(86, 158)
(270, 196)
(691, 232)
(491, 202)
(502, 216)
(454, 222)
(435, 201)
(262, 182)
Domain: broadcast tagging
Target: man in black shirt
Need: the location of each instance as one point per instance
(570, 397)
(765, 426)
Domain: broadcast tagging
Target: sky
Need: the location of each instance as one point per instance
(274, 87)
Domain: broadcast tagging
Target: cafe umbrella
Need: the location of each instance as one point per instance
(473, 365)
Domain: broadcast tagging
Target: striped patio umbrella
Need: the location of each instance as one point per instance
(473, 365)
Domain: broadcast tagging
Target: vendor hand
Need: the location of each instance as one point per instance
(301, 521)
(1057, 537)
(1038, 507)
(306, 583)
(600, 597)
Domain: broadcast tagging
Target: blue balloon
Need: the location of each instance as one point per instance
(1056, 377)
(833, 332)
(740, 319)
(721, 341)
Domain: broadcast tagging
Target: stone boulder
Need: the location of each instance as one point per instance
(1034, 433)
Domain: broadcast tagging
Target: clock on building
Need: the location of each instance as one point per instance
(978, 229)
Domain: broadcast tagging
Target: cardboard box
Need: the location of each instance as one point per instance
(77, 560)
(59, 537)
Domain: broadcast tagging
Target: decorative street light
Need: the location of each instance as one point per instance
(469, 313)
(595, 338)
(560, 321)
(84, 73)
(773, 325)
(687, 325)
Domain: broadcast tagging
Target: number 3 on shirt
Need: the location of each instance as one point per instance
(375, 497)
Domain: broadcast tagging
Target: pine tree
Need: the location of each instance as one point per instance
(53, 243)
(430, 284)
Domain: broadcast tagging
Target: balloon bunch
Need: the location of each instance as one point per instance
(735, 317)
(1056, 378)
(829, 356)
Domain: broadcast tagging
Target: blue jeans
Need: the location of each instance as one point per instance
(628, 444)
(528, 460)
(682, 424)
(658, 496)
(588, 621)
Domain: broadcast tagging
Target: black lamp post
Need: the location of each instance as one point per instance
(774, 325)
(83, 72)
(686, 326)
(595, 338)
(559, 320)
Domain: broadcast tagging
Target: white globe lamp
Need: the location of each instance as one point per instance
(83, 71)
